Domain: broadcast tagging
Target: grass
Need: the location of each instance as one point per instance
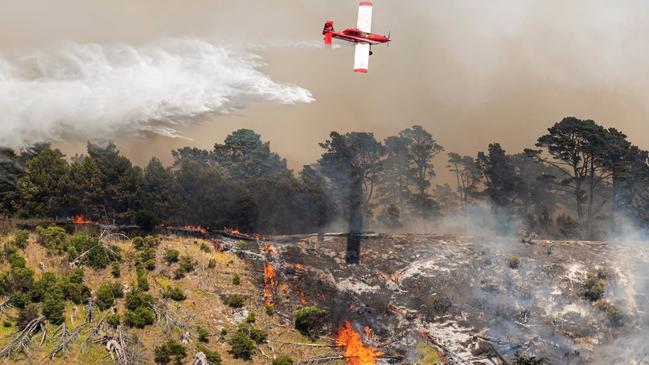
(203, 304)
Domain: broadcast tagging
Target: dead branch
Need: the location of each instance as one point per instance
(167, 319)
(319, 359)
(200, 359)
(93, 333)
(90, 311)
(66, 339)
(4, 306)
(305, 344)
(23, 339)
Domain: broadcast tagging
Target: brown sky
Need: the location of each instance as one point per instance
(470, 72)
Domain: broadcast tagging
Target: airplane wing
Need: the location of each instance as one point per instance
(365, 16)
(362, 57)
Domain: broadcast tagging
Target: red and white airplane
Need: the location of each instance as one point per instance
(361, 36)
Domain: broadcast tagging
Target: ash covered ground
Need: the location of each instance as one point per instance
(478, 300)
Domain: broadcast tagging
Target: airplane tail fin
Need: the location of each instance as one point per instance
(328, 28)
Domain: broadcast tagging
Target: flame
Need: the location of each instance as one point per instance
(198, 229)
(368, 333)
(269, 250)
(270, 283)
(356, 352)
(235, 231)
(80, 219)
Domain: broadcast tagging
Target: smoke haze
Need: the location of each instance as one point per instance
(98, 92)
(470, 73)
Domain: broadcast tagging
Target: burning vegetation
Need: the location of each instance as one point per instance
(355, 352)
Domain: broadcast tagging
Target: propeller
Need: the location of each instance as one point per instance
(389, 35)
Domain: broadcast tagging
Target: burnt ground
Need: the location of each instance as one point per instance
(467, 297)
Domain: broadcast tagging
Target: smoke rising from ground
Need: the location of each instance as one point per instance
(91, 91)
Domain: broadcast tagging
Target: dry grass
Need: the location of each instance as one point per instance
(203, 305)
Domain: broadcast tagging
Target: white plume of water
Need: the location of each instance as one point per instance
(93, 91)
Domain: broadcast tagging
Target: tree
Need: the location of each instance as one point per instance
(577, 148)
(157, 191)
(40, 187)
(309, 321)
(395, 183)
(82, 189)
(170, 351)
(501, 179)
(10, 171)
(422, 150)
(467, 175)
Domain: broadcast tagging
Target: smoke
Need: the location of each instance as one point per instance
(92, 91)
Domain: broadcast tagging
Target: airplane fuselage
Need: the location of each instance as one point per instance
(354, 35)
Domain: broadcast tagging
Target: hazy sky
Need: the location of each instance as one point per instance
(470, 72)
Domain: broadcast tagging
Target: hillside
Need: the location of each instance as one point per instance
(206, 289)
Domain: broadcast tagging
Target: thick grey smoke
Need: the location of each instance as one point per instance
(93, 91)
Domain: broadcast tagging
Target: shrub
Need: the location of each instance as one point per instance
(142, 281)
(17, 261)
(141, 243)
(212, 356)
(593, 286)
(6, 324)
(40, 287)
(113, 320)
(610, 311)
(54, 306)
(250, 318)
(146, 257)
(270, 310)
(514, 262)
(531, 360)
(98, 256)
(174, 293)
(136, 299)
(255, 334)
(204, 247)
(186, 264)
(309, 321)
(19, 279)
(139, 318)
(21, 238)
(283, 360)
(52, 238)
(115, 270)
(170, 351)
(171, 255)
(75, 292)
(203, 334)
(241, 346)
(107, 293)
(235, 301)
(236, 280)
(26, 315)
(211, 263)
(19, 299)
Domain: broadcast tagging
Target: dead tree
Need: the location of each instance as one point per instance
(23, 339)
(200, 359)
(66, 338)
(93, 334)
(168, 319)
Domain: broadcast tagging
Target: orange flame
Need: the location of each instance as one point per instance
(270, 283)
(269, 250)
(356, 352)
(80, 219)
(235, 231)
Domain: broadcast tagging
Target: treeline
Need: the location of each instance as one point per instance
(577, 182)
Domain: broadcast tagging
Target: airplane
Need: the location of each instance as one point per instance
(361, 36)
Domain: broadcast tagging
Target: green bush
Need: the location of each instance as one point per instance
(309, 321)
(235, 300)
(141, 243)
(171, 351)
(174, 293)
(41, 286)
(98, 256)
(54, 306)
(211, 263)
(255, 334)
(142, 281)
(147, 258)
(19, 299)
(241, 346)
(52, 238)
(186, 265)
(26, 315)
(171, 255)
(6, 324)
(236, 280)
(204, 247)
(107, 293)
(283, 360)
(139, 318)
(17, 261)
(212, 356)
(115, 270)
(593, 286)
(136, 299)
(251, 318)
(77, 293)
(19, 279)
(612, 313)
(21, 238)
(203, 334)
(113, 320)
